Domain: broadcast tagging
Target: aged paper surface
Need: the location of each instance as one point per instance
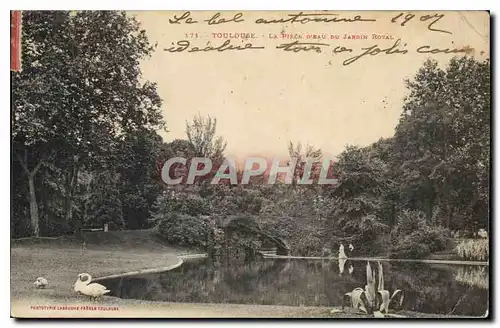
(92, 133)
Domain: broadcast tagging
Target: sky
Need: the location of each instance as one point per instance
(262, 98)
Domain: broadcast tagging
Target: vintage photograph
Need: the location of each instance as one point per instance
(250, 164)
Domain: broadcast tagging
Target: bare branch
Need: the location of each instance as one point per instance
(37, 167)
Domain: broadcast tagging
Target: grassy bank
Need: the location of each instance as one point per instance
(60, 261)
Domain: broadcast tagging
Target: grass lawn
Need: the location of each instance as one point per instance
(62, 265)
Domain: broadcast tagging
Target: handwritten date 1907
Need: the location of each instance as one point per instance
(403, 19)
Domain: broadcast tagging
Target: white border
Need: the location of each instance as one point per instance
(188, 5)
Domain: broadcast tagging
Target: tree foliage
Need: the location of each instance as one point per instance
(201, 133)
(442, 143)
(79, 94)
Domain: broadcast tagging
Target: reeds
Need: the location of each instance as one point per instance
(473, 249)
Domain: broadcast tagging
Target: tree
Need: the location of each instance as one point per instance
(178, 148)
(302, 155)
(201, 133)
(79, 91)
(442, 143)
(105, 205)
(357, 215)
(140, 182)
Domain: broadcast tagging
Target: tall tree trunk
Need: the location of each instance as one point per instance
(449, 217)
(35, 228)
(68, 211)
(70, 184)
(88, 195)
(34, 218)
(44, 214)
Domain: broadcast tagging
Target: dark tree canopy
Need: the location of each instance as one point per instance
(79, 94)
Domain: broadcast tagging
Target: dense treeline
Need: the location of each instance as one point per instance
(85, 151)
(405, 195)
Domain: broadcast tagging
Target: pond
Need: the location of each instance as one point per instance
(428, 288)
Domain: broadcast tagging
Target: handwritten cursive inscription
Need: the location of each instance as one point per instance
(340, 49)
(315, 18)
(297, 46)
(375, 50)
(298, 41)
(185, 17)
(429, 50)
(215, 19)
(185, 45)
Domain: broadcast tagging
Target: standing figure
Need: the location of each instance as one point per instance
(342, 252)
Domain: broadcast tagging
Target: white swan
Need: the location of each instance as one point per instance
(83, 285)
(41, 282)
(351, 247)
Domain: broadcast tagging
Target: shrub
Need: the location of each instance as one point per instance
(434, 237)
(303, 238)
(311, 244)
(243, 236)
(409, 247)
(413, 237)
(473, 249)
(184, 230)
(189, 204)
(236, 200)
(408, 222)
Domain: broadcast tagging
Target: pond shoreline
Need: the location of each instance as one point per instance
(180, 258)
(451, 262)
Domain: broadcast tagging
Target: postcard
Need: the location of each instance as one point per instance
(250, 164)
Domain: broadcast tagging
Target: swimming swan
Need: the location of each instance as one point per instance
(83, 285)
(41, 282)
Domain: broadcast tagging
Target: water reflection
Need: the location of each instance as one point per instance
(341, 265)
(475, 277)
(441, 289)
